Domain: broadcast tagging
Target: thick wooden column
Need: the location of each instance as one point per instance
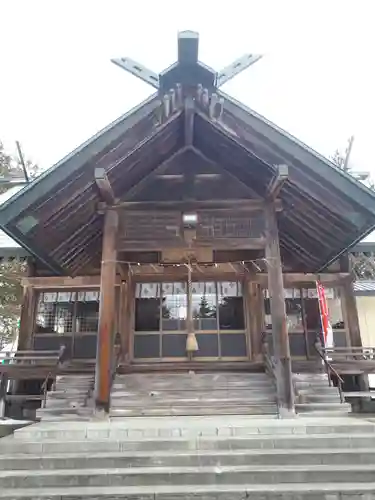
(255, 320)
(351, 313)
(27, 318)
(279, 322)
(105, 340)
(125, 317)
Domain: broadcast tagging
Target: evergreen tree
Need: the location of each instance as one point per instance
(11, 271)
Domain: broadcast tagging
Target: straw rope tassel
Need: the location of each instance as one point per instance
(191, 341)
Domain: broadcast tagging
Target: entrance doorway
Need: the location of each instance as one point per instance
(160, 321)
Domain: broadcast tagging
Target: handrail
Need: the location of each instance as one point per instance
(330, 370)
(118, 353)
(44, 387)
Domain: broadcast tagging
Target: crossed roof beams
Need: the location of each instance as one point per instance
(188, 46)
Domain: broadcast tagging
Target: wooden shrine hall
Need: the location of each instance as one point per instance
(186, 232)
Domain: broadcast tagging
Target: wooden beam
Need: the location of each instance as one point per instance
(53, 282)
(189, 110)
(283, 368)
(104, 186)
(233, 205)
(216, 244)
(300, 278)
(105, 340)
(277, 182)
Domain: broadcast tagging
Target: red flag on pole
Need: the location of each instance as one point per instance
(324, 316)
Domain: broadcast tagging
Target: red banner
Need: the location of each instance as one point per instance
(324, 316)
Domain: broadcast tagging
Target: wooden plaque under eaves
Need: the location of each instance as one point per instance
(173, 255)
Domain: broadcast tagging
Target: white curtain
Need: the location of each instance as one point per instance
(230, 288)
(147, 290)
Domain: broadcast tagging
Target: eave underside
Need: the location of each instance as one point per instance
(317, 223)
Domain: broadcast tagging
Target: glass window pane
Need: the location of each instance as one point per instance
(147, 315)
(312, 314)
(87, 312)
(294, 314)
(293, 307)
(174, 306)
(204, 305)
(230, 307)
(335, 311)
(55, 313)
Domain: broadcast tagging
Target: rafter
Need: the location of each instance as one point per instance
(237, 66)
(138, 70)
(104, 186)
(277, 182)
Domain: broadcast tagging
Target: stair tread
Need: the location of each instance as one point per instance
(185, 453)
(242, 438)
(199, 469)
(182, 490)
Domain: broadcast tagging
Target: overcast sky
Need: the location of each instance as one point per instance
(58, 87)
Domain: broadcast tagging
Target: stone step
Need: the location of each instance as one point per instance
(241, 442)
(192, 427)
(306, 491)
(224, 392)
(319, 398)
(218, 409)
(201, 475)
(66, 412)
(177, 387)
(325, 406)
(322, 414)
(314, 385)
(157, 401)
(189, 375)
(118, 460)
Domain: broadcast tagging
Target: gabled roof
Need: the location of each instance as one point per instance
(325, 210)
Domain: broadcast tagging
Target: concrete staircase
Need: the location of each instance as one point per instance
(203, 458)
(72, 397)
(193, 394)
(314, 396)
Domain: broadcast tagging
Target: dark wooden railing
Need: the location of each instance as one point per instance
(36, 360)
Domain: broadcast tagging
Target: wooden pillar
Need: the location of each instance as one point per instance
(104, 353)
(351, 313)
(282, 359)
(125, 317)
(27, 318)
(255, 320)
(122, 316)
